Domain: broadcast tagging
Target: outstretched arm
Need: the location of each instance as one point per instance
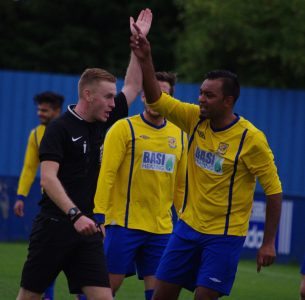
(266, 254)
(141, 48)
(133, 78)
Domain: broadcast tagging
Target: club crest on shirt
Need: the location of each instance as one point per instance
(172, 142)
(144, 137)
(222, 148)
(201, 134)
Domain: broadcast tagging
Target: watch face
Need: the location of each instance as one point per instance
(72, 212)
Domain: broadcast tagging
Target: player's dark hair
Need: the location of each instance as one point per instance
(170, 78)
(55, 100)
(230, 84)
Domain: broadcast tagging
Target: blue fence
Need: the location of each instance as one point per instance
(279, 113)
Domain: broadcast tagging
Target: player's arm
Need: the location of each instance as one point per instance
(260, 162)
(54, 189)
(266, 254)
(113, 154)
(180, 178)
(133, 78)
(28, 173)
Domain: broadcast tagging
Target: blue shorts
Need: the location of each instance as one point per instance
(130, 250)
(193, 259)
(303, 267)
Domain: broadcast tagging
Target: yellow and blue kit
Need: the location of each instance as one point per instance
(142, 174)
(222, 169)
(31, 162)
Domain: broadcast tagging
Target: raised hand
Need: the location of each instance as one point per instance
(139, 44)
(143, 22)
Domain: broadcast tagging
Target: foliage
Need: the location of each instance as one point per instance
(67, 36)
(262, 41)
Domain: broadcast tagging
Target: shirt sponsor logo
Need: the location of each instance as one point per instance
(157, 161)
(208, 161)
(172, 142)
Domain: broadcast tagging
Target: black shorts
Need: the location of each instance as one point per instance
(56, 246)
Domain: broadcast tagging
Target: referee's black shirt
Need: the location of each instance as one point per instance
(76, 145)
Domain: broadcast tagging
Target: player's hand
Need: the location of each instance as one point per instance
(85, 226)
(139, 44)
(143, 22)
(265, 256)
(19, 208)
(101, 229)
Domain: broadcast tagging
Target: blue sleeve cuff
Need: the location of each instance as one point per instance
(99, 218)
(21, 197)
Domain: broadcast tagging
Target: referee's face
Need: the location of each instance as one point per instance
(101, 100)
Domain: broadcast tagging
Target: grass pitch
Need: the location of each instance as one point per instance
(279, 282)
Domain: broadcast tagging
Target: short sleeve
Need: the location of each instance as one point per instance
(53, 143)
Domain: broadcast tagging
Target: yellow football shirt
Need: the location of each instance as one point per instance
(31, 161)
(222, 169)
(142, 174)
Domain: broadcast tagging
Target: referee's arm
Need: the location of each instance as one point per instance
(53, 187)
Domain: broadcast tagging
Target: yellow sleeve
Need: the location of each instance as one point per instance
(113, 154)
(180, 113)
(260, 161)
(30, 166)
(180, 178)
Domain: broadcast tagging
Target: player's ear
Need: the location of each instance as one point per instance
(229, 101)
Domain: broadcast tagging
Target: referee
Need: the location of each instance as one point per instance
(65, 237)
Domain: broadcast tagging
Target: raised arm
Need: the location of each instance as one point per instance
(141, 48)
(133, 78)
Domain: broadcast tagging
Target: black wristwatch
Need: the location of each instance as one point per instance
(73, 212)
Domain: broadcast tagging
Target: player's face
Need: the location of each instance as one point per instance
(165, 87)
(102, 100)
(46, 113)
(211, 99)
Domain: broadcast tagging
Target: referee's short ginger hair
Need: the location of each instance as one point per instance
(94, 75)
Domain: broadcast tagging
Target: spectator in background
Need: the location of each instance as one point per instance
(49, 107)
(65, 236)
(226, 155)
(142, 175)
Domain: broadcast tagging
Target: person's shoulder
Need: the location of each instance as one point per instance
(172, 126)
(246, 124)
(254, 134)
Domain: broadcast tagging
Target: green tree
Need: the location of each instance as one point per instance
(68, 36)
(262, 40)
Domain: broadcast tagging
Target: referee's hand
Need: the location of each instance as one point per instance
(85, 226)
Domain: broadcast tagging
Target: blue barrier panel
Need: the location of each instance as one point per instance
(290, 240)
(13, 228)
